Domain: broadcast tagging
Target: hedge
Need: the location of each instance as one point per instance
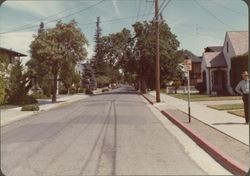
(31, 107)
(238, 65)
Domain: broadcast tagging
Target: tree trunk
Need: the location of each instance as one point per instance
(55, 74)
(143, 85)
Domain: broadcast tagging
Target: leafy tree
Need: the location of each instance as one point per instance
(89, 79)
(76, 79)
(67, 73)
(117, 50)
(145, 46)
(53, 47)
(4, 65)
(18, 86)
(2, 90)
(4, 72)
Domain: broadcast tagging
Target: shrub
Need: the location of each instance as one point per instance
(81, 90)
(63, 90)
(176, 84)
(88, 92)
(72, 90)
(201, 87)
(2, 91)
(24, 100)
(31, 107)
(27, 100)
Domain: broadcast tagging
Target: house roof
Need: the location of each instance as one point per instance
(213, 48)
(239, 40)
(191, 56)
(214, 59)
(9, 51)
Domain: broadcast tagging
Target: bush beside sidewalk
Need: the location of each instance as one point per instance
(229, 151)
(10, 115)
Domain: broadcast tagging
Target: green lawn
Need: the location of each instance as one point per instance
(237, 112)
(227, 107)
(204, 97)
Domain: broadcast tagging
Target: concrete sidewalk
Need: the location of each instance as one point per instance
(227, 123)
(220, 134)
(13, 114)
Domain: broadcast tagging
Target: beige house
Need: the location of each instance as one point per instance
(216, 62)
(12, 57)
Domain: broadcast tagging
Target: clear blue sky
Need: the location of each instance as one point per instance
(197, 23)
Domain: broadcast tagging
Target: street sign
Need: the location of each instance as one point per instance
(187, 64)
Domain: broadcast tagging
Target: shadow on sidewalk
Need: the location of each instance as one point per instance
(228, 123)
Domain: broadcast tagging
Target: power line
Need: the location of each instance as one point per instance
(162, 7)
(229, 9)
(204, 8)
(145, 8)
(105, 21)
(91, 6)
(51, 16)
(134, 9)
(139, 8)
(113, 20)
(165, 5)
(34, 26)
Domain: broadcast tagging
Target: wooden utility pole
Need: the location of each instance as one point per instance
(157, 70)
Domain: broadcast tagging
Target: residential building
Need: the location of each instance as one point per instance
(216, 62)
(195, 73)
(12, 57)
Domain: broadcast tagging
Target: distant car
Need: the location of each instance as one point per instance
(113, 86)
(106, 89)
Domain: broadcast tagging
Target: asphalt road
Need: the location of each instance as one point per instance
(108, 134)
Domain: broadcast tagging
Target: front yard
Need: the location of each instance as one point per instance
(224, 107)
(204, 97)
(235, 109)
(239, 113)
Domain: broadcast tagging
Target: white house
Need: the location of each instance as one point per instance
(216, 61)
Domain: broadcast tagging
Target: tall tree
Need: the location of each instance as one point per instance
(53, 47)
(2, 90)
(117, 50)
(17, 88)
(98, 63)
(145, 46)
(4, 73)
(67, 74)
(89, 79)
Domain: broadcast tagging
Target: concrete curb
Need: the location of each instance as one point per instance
(226, 161)
(147, 99)
(42, 109)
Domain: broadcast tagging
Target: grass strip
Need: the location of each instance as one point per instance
(239, 113)
(204, 97)
(226, 107)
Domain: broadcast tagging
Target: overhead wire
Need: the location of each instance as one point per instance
(50, 16)
(145, 9)
(229, 9)
(162, 8)
(54, 20)
(138, 11)
(218, 19)
(113, 20)
(210, 13)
